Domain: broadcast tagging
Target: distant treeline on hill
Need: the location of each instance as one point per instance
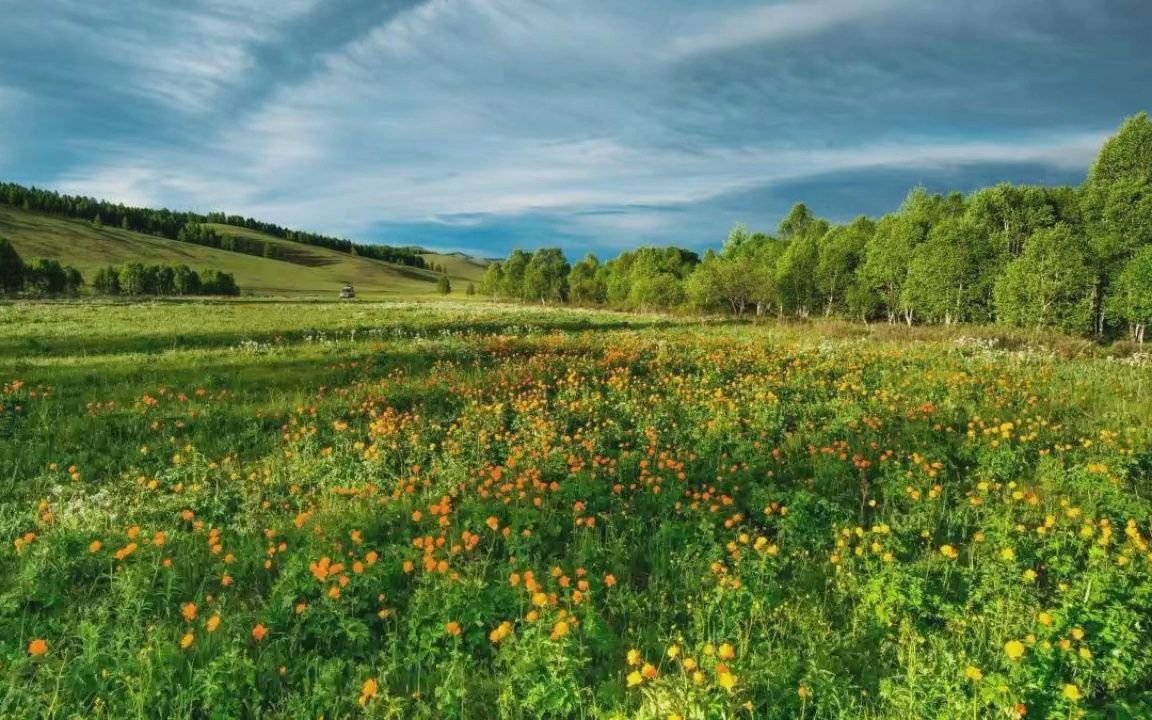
(183, 225)
(1074, 258)
(48, 277)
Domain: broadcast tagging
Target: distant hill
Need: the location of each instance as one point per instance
(298, 269)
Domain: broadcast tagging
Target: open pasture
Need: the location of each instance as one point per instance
(293, 509)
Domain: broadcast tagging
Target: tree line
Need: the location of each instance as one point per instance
(170, 224)
(1078, 259)
(38, 277)
(48, 277)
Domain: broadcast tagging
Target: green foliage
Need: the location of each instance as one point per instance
(137, 279)
(546, 276)
(11, 268)
(443, 285)
(1131, 298)
(1049, 285)
(586, 285)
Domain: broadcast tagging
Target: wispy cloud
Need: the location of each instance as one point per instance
(724, 30)
(496, 121)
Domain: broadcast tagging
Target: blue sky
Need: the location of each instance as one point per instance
(599, 125)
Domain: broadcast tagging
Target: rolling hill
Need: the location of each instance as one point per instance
(300, 271)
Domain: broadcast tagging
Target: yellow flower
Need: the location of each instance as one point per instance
(973, 673)
(673, 651)
(187, 640)
(634, 657)
(635, 678)
(1044, 618)
(1014, 649)
(726, 652)
(949, 552)
(559, 630)
(726, 680)
(1071, 692)
(1007, 554)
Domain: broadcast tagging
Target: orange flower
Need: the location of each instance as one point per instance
(95, 546)
(39, 646)
(609, 579)
(649, 671)
(726, 652)
(452, 627)
(213, 623)
(368, 690)
(188, 611)
(259, 631)
(187, 640)
(493, 522)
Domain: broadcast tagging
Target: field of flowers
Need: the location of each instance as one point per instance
(293, 510)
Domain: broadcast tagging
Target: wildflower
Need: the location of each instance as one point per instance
(634, 657)
(188, 611)
(500, 632)
(39, 646)
(368, 691)
(259, 631)
(1071, 692)
(726, 652)
(635, 678)
(949, 552)
(673, 651)
(726, 680)
(559, 630)
(1014, 649)
(452, 627)
(973, 673)
(649, 671)
(213, 623)
(94, 546)
(609, 579)
(187, 640)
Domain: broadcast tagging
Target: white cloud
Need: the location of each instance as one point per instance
(779, 21)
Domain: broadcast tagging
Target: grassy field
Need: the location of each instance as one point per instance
(305, 271)
(422, 510)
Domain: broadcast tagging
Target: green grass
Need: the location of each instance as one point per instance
(305, 271)
(829, 521)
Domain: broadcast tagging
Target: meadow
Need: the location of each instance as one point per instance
(291, 509)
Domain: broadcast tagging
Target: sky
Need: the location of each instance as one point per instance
(595, 125)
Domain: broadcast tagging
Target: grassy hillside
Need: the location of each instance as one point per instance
(303, 271)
